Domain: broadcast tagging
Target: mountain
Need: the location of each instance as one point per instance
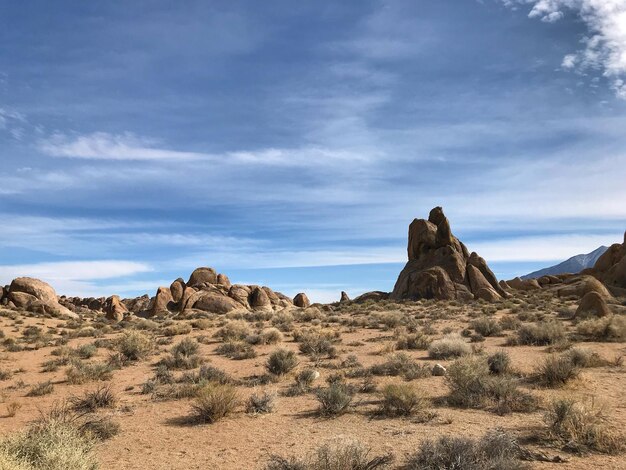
(573, 265)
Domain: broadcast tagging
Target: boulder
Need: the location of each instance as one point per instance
(504, 285)
(593, 304)
(212, 302)
(114, 309)
(36, 296)
(259, 299)
(375, 296)
(202, 276)
(240, 294)
(580, 285)
(344, 297)
(438, 370)
(176, 289)
(523, 284)
(163, 300)
(138, 304)
(611, 266)
(438, 263)
(301, 300)
(222, 280)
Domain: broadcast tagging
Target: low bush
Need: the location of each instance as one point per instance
(403, 365)
(486, 326)
(281, 361)
(416, 341)
(496, 450)
(611, 328)
(134, 345)
(43, 388)
(102, 397)
(176, 329)
(270, 336)
(539, 334)
(334, 400)
(234, 330)
(401, 399)
(261, 403)
(499, 362)
(452, 345)
(582, 427)
(82, 372)
(556, 371)
(237, 350)
(183, 355)
(214, 402)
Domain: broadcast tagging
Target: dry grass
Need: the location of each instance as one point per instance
(214, 402)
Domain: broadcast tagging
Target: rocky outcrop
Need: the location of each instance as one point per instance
(36, 296)
(344, 297)
(222, 280)
(114, 309)
(259, 299)
(579, 286)
(592, 304)
(301, 300)
(202, 276)
(441, 267)
(374, 296)
(177, 288)
(523, 284)
(611, 266)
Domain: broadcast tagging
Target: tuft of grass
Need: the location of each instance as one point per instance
(134, 345)
(451, 345)
(499, 362)
(261, 403)
(401, 399)
(495, 450)
(81, 372)
(539, 334)
(235, 330)
(237, 350)
(486, 326)
(101, 397)
(271, 336)
(340, 454)
(403, 365)
(43, 388)
(176, 329)
(610, 328)
(184, 355)
(281, 362)
(12, 408)
(581, 426)
(215, 402)
(556, 371)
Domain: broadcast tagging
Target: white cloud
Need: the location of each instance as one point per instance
(605, 46)
(74, 277)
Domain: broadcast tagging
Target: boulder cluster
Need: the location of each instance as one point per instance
(33, 295)
(611, 268)
(441, 267)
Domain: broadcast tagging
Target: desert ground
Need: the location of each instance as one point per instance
(152, 375)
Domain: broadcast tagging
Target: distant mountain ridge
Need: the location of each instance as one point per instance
(573, 265)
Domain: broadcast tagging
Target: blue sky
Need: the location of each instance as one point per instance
(291, 143)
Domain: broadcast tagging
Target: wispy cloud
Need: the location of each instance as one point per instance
(604, 47)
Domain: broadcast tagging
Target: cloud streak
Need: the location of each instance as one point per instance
(604, 46)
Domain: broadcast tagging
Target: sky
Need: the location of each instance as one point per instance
(290, 144)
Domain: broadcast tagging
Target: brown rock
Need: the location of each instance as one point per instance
(301, 300)
(202, 276)
(213, 302)
(259, 299)
(163, 300)
(176, 289)
(240, 294)
(114, 309)
(580, 285)
(611, 266)
(437, 265)
(594, 304)
(479, 285)
(36, 296)
(222, 280)
(524, 284)
(504, 285)
(375, 296)
(344, 297)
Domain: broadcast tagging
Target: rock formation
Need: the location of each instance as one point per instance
(35, 296)
(162, 302)
(441, 267)
(524, 284)
(579, 286)
(611, 267)
(593, 304)
(344, 297)
(114, 309)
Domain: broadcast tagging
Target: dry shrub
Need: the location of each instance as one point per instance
(540, 334)
(237, 350)
(261, 403)
(451, 345)
(611, 328)
(43, 388)
(81, 372)
(234, 330)
(556, 371)
(403, 365)
(184, 355)
(271, 336)
(341, 454)
(334, 400)
(134, 345)
(499, 362)
(416, 341)
(472, 385)
(281, 361)
(401, 399)
(176, 329)
(214, 402)
(101, 397)
(582, 426)
(486, 326)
